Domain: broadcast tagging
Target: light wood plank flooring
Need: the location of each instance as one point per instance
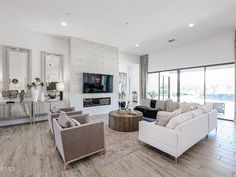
(28, 150)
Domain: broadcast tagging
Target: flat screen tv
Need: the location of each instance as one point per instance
(97, 83)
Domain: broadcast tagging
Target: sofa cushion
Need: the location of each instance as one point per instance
(161, 105)
(145, 102)
(171, 106)
(64, 121)
(163, 121)
(177, 120)
(197, 112)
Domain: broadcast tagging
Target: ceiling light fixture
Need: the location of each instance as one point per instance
(63, 23)
(172, 40)
(190, 25)
(137, 45)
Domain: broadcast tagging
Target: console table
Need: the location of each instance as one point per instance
(125, 122)
(28, 111)
(15, 110)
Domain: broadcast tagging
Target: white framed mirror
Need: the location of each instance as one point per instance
(17, 68)
(52, 67)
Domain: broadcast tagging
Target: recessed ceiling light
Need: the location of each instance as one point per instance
(190, 25)
(126, 23)
(137, 45)
(172, 40)
(63, 23)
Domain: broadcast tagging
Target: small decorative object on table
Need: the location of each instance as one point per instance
(22, 95)
(60, 87)
(34, 88)
(52, 96)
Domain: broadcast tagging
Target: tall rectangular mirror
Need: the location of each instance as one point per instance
(17, 70)
(52, 68)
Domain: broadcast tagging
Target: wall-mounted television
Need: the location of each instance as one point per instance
(97, 83)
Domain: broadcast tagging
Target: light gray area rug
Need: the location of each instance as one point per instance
(118, 145)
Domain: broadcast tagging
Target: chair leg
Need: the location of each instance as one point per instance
(206, 137)
(66, 166)
(176, 159)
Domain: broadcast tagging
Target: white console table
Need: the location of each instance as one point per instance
(28, 111)
(12, 112)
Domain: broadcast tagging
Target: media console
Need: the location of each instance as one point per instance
(90, 102)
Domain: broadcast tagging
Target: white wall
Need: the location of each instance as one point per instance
(91, 57)
(37, 42)
(130, 64)
(218, 49)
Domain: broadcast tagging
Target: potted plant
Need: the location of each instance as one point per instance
(122, 102)
(152, 94)
(34, 88)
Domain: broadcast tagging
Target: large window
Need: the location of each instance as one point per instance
(207, 84)
(153, 86)
(168, 85)
(192, 85)
(220, 90)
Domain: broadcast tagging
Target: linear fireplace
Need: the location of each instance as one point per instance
(90, 102)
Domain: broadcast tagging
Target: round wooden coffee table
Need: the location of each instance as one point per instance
(125, 122)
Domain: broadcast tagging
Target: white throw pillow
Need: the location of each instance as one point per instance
(175, 121)
(197, 112)
(163, 121)
(146, 102)
(207, 108)
(186, 107)
(171, 106)
(55, 110)
(77, 123)
(161, 104)
(65, 121)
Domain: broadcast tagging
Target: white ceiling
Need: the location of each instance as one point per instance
(151, 22)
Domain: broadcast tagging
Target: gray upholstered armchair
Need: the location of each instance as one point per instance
(69, 112)
(77, 142)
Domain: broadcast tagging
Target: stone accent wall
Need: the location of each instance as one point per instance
(91, 57)
(143, 76)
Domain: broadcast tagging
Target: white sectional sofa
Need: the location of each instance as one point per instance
(181, 132)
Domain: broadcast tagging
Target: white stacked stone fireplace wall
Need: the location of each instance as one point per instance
(91, 57)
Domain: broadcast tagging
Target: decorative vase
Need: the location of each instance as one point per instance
(42, 96)
(35, 94)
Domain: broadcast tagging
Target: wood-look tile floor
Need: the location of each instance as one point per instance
(28, 150)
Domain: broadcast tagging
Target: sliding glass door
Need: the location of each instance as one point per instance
(153, 86)
(168, 85)
(192, 85)
(220, 90)
(213, 84)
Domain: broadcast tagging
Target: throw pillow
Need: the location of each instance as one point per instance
(163, 121)
(171, 106)
(197, 112)
(75, 121)
(153, 103)
(207, 108)
(64, 121)
(145, 102)
(54, 110)
(161, 105)
(186, 107)
(175, 121)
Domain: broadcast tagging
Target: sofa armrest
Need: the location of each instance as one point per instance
(212, 120)
(166, 136)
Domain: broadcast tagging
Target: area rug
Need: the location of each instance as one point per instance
(118, 145)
